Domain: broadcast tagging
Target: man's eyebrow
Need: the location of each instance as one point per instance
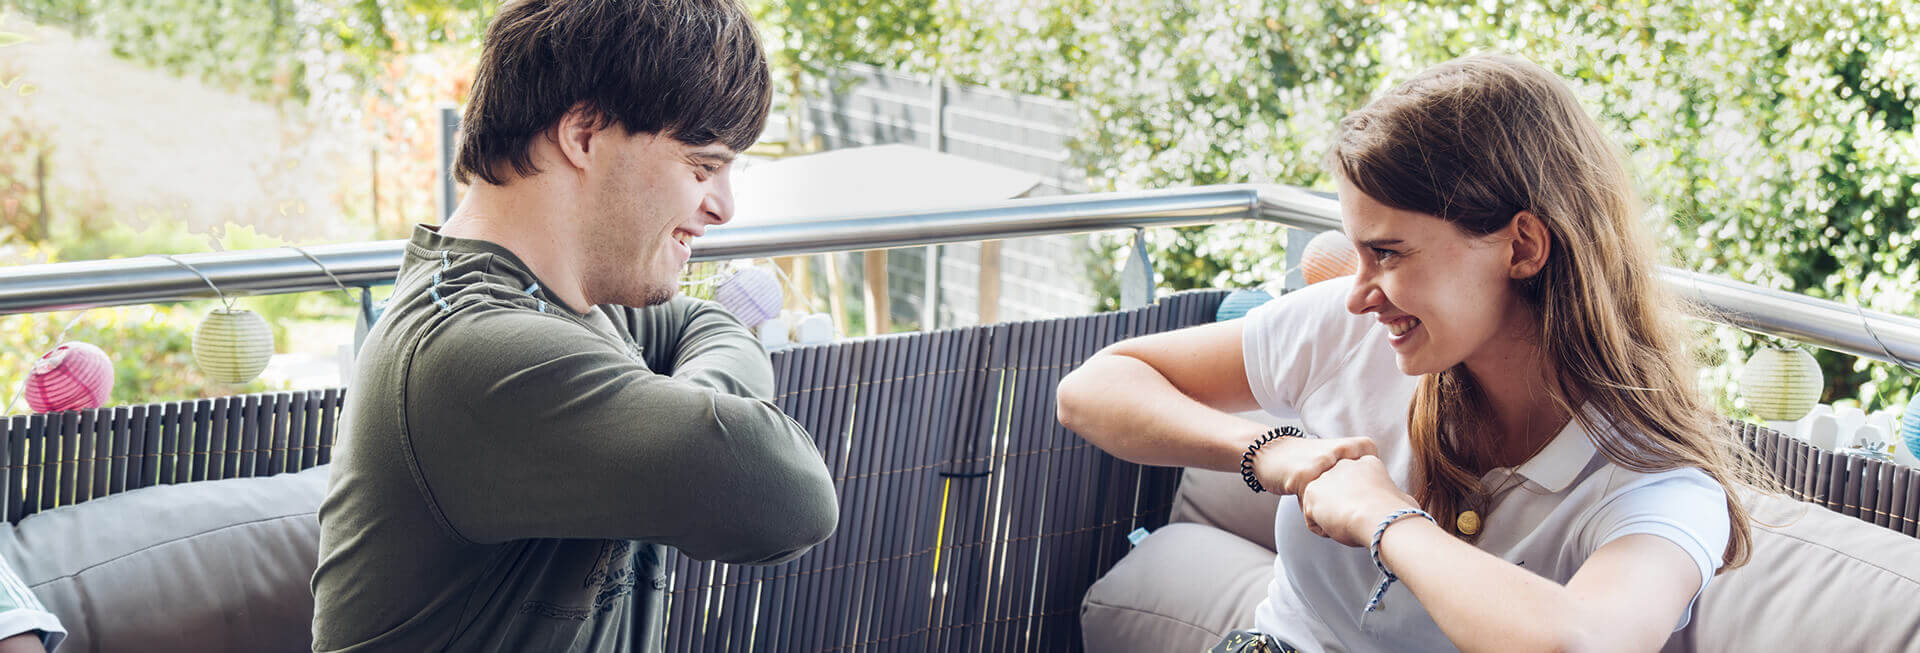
(721, 157)
(1380, 242)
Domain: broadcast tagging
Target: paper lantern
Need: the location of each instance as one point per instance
(1239, 302)
(74, 376)
(1328, 255)
(1781, 383)
(1910, 424)
(232, 345)
(752, 294)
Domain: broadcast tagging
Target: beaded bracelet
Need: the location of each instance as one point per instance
(1373, 549)
(1246, 459)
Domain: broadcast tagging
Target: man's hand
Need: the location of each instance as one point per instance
(1348, 501)
(1287, 465)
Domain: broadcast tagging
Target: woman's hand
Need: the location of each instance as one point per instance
(1287, 465)
(1348, 501)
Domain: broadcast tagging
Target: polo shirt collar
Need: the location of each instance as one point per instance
(1558, 465)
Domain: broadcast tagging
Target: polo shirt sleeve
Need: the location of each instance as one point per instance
(1296, 342)
(21, 612)
(1683, 506)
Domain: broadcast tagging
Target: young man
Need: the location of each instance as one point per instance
(514, 459)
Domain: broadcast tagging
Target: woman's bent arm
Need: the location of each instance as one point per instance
(1162, 399)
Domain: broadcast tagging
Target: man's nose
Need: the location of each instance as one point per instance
(718, 205)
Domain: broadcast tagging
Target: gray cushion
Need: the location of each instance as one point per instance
(1222, 500)
(207, 566)
(1818, 581)
(1183, 588)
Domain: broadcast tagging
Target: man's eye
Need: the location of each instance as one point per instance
(1381, 255)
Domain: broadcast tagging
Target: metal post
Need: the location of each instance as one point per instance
(1136, 278)
(1297, 240)
(930, 276)
(449, 131)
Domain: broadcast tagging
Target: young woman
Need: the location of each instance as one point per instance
(1500, 408)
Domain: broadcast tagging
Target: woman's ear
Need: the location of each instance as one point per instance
(1531, 245)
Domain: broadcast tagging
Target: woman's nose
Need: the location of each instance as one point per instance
(1366, 296)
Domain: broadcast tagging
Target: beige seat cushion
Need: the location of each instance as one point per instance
(208, 566)
(1183, 588)
(1818, 581)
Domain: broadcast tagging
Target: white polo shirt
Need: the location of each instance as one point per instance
(1308, 358)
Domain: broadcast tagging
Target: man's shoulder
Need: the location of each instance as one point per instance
(474, 332)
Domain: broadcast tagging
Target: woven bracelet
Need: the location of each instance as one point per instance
(1373, 549)
(1246, 459)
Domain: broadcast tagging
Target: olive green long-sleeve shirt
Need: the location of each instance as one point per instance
(508, 471)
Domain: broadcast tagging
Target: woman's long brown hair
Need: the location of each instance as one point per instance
(1475, 141)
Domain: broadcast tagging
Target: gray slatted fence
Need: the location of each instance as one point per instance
(58, 459)
(970, 520)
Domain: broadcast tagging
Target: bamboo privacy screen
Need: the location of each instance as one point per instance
(970, 520)
(1879, 491)
(58, 459)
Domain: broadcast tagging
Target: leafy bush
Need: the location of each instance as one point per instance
(1774, 140)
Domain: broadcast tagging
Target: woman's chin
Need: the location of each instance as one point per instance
(1413, 366)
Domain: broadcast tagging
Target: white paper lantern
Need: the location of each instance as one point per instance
(1781, 383)
(233, 345)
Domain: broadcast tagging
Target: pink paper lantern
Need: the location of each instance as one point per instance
(74, 376)
(1327, 256)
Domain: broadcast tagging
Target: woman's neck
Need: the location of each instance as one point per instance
(1516, 383)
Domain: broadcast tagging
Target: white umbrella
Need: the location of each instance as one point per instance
(863, 180)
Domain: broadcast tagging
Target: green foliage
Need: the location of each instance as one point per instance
(1774, 140)
(277, 49)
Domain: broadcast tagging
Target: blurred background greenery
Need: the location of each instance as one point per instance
(1774, 140)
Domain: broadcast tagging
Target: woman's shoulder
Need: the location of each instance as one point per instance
(1312, 316)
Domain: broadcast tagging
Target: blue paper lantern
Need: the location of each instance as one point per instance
(1910, 424)
(1239, 302)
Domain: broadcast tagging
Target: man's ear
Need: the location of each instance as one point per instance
(574, 135)
(1531, 245)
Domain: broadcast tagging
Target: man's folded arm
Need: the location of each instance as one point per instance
(701, 342)
(524, 425)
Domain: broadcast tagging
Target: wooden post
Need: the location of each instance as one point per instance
(834, 291)
(989, 281)
(879, 313)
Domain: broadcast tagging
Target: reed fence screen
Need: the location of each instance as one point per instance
(970, 520)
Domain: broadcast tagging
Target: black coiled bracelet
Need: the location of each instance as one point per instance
(1246, 459)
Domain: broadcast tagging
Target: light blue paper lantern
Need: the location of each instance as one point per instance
(1910, 424)
(1239, 302)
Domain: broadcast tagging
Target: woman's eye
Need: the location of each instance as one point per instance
(1381, 255)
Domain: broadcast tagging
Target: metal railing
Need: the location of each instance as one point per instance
(61, 286)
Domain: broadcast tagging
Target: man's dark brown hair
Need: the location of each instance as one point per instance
(690, 69)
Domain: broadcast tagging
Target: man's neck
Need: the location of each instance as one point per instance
(529, 219)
